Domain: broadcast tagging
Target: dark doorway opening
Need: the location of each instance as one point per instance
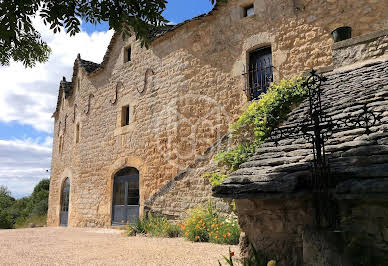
(65, 203)
(125, 206)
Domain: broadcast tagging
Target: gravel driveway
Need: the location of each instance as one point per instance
(75, 246)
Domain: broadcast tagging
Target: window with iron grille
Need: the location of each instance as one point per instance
(259, 73)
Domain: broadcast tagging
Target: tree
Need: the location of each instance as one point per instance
(20, 41)
(6, 201)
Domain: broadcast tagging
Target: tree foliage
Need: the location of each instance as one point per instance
(20, 41)
(17, 212)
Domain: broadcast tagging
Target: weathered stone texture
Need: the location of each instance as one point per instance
(269, 182)
(275, 226)
(189, 189)
(183, 93)
(361, 48)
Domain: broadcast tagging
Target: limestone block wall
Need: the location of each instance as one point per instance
(183, 94)
(189, 189)
(360, 49)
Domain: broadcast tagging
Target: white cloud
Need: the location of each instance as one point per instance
(28, 96)
(23, 163)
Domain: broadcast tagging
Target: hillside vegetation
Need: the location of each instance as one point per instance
(19, 213)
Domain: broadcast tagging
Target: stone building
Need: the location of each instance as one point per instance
(138, 130)
(273, 192)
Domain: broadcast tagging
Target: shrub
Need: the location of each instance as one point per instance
(254, 124)
(19, 213)
(153, 226)
(205, 225)
(37, 221)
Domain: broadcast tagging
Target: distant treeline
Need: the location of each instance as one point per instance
(17, 213)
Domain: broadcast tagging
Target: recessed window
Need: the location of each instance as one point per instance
(260, 72)
(127, 54)
(125, 112)
(60, 144)
(249, 11)
(77, 133)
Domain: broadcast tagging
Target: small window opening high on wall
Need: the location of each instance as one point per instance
(77, 133)
(249, 11)
(125, 116)
(128, 54)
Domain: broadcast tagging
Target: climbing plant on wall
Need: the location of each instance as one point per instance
(256, 122)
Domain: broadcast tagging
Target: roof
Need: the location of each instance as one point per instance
(284, 170)
(92, 67)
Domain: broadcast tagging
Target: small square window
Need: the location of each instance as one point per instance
(127, 54)
(249, 11)
(125, 112)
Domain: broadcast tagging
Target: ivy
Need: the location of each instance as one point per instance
(253, 126)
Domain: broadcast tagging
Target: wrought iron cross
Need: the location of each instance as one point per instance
(316, 128)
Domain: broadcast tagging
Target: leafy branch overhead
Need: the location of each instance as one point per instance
(21, 42)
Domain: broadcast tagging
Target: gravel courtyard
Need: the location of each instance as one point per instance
(75, 246)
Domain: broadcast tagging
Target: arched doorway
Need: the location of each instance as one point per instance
(65, 202)
(125, 205)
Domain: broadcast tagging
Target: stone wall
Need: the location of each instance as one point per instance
(360, 49)
(271, 188)
(189, 189)
(183, 93)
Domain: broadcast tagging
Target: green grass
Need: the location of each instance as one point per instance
(38, 221)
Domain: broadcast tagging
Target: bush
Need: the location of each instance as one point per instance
(37, 221)
(19, 213)
(254, 124)
(205, 225)
(153, 226)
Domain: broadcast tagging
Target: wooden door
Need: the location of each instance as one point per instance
(125, 199)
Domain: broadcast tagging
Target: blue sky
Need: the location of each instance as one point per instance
(28, 97)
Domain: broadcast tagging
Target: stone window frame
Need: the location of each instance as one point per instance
(255, 48)
(125, 53)
(120, 128)
(66, 174)
(244, 9)
(77, 132)
(60, 144)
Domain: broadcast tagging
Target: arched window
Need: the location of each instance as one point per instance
(125, 205)
(65, 195)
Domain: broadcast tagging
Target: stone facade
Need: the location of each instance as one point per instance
(183, 93)
(274, 202)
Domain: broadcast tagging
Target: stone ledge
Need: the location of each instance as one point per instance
(359, 39)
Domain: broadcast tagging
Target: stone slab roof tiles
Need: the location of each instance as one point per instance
(284, 170)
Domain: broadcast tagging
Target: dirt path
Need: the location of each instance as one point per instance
(74, 246)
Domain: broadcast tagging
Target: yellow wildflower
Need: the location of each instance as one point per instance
(213, 225)
(228, 234)
(271, 263)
